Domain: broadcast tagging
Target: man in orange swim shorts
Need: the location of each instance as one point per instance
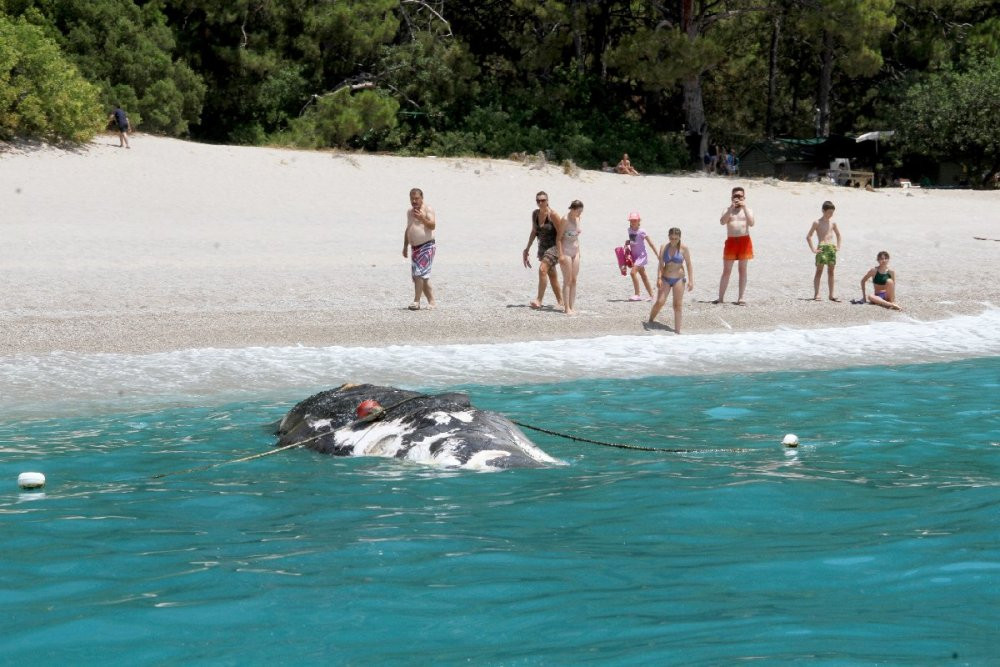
(738, 220)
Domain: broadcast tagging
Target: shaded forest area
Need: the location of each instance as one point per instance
(581, 80)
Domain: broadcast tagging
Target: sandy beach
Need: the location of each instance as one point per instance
(176, 245)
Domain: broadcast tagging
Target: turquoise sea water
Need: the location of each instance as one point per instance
(874, 542)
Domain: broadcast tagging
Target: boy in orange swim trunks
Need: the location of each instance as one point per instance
(738, 220)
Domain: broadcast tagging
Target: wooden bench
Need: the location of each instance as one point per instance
(852, 177)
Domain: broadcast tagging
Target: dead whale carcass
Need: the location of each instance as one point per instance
(440, 429)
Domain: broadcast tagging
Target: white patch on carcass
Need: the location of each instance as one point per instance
(481, 460)
(532, 451)
(443, 418)
(385, 438)
(381, 438)
(420, 452)
(320, 424)
(440, 418)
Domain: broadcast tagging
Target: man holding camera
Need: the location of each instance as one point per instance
(738, 220)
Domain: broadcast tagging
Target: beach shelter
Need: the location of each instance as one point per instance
(780, 158)
(797, 159)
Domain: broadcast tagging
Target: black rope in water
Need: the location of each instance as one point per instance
(381, 412)
(622, 445)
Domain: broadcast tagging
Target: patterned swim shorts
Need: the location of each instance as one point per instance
(827, 255)
(422, 258)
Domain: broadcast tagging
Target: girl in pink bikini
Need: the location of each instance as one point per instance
(674, 258)
(568, 244)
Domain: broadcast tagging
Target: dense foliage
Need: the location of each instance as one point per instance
(582, 80)
(41, 93)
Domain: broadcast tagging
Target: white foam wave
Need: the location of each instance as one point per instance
(32, 385)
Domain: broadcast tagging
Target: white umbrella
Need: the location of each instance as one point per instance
(875, 136)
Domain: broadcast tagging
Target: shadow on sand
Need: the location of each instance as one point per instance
(656, 326)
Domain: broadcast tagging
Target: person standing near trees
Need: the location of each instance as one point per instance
(124, 125)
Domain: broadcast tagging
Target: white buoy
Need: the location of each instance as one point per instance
(31, 480)
(791, 440)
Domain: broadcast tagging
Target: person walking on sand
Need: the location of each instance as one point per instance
(637, 240)
(543, 227)
(674, 257)
(883, 282)
(124, 125)
(568, 245)
(419, 239)
(826, 250)
(738, 220)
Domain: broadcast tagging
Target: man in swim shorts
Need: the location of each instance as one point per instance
(738, 220)
(826, 231)
(419, 238)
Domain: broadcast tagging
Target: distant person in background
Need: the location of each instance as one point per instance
(732, 163)
(122, 123)
(720, 160)
(713, 166)
(625, 167)
(419, 240)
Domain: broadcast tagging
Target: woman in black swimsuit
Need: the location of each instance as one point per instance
(544, 222)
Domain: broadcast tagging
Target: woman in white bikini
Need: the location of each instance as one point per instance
(568, 244)
(674, 257)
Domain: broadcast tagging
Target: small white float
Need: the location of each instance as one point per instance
(31, 480)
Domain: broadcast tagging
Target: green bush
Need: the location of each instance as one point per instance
(342, 119)
(42, 95)
(587, 142)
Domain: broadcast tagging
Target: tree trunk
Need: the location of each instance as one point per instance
(772, 75)
(576, 22)
(694, 111)
(599, 39)
(825, 84)
(694, 105)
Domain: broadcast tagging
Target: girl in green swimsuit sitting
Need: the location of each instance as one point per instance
(884, 282)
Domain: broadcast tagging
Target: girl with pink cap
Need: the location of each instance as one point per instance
(637, 240)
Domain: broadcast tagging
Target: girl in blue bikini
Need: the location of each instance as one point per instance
(674, 259)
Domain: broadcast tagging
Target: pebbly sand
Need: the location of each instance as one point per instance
(175, 245)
